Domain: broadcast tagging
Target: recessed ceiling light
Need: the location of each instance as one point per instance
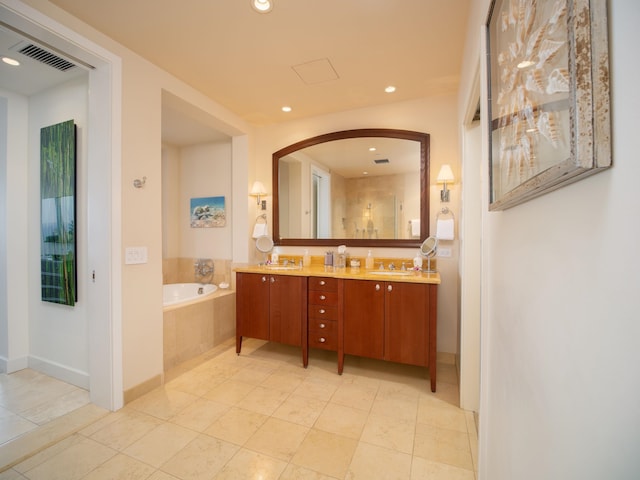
(365, 173)
(262, 6)
(390, 89)
(286, 109)
(10, 61)
(372, 149)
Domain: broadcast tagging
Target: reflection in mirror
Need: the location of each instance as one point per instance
(357, 187)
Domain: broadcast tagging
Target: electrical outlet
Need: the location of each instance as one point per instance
(135, 255)
(444, 252)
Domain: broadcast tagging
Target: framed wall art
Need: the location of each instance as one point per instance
(58, 275)
(548, 86)
(208, 212)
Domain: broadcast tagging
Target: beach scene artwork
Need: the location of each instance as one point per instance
(208, 212)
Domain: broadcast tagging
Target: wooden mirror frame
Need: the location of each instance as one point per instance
(422, 138)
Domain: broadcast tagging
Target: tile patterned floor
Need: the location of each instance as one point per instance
(261, 415)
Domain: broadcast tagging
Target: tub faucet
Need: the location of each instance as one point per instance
(203, 267)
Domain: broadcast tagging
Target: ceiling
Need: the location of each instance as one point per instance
(315, 56)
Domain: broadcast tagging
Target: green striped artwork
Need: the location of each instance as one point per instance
(57, 214)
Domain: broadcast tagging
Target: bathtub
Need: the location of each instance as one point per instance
(182, 293)
(195, 323)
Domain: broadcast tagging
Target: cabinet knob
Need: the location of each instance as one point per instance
(322, 297)
(322, 339)
(322, 310)
(273, 280)
(377, 287)
(322, 325)
(389, 288)
(322, 282)
(264, 279)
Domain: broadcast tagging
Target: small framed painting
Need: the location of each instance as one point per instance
(548, 89)
(208, 212)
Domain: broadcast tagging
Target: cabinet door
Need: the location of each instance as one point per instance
(252, 305)
(364, 318)
(407, 323)
(287, 306)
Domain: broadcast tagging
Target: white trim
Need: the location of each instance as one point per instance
(61, 372)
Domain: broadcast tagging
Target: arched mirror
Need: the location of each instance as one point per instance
(366, 187)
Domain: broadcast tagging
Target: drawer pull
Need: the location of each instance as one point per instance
(322, 297)
(273, 280)
(377, 287)
(389, 288)
(322, 310)
(322, 325)
(264, 279)
(322, 282)
(322, 340)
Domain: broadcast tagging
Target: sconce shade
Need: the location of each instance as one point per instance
(258, 189)
(445, 175)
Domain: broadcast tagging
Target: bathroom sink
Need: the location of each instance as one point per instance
(392, 273)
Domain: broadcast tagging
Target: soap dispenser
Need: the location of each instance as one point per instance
(369, 261)
(306, 258)
(275, 255)
(417, 261)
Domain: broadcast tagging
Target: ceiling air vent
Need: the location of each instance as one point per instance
(382, 160)
(48, 58)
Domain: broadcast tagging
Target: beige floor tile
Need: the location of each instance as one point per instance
(129, 428)
(372, 462)
(200, 414)
(247, 464)
(327, 453)
(72, 463)
(355, 396)
(196, 383)
(120, 467)
(160, 475)
(443, 446)
(236, 426)
(48, 453)
(253, 375)
(201, 459)
(12, 475)
(296, 472)
(396, 405)
(163, 403)
(160, 444)
(441, 415)
(263, 400)
(317, 388)
(229, 392)
(342, 420)
(45, 412)
(277, 438)
(426, 469)
(13, 425)
(285, 381)
(301, 410)
(389, 432)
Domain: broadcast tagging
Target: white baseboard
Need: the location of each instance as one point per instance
(61, 372)
(13, 364)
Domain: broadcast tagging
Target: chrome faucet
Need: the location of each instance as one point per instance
(392, 266)
(203, 267)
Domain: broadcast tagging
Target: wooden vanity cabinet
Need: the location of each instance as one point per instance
(394, 321)
(272, 307)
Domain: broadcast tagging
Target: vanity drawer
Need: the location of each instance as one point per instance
(323, 283)
(321, 340)
(323, 298)
(323, 312)
(323, 327)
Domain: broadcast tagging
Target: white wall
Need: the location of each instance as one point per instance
(436, 116)
(57, 333)
(560, 329)
(14, 320)
(170, 202)
(205, 171)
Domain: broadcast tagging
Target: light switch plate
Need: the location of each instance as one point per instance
(135, 255)
(444, 252)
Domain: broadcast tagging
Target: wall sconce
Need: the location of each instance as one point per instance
(258, 190)
(445, 175)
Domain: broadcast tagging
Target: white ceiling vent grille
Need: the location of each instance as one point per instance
(48, 58)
